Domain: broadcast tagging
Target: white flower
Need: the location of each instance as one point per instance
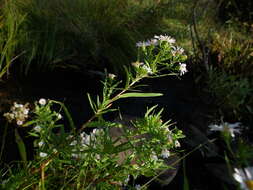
(244, 177)
(127, 179)
(166, 38)
(165, 153)
(37, 128)
(18, 105)
(19, 122)
(143, 44)
(154, 42)
(26, 111)
(137, 187)
(226, 127)
(111, 76)
(43, 154)
(42, 101)
(177, 50)
(41, 143)
(59, 116)
(182, 68)
(177, 144)
(148, 69)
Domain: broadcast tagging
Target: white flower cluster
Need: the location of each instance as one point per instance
(165, 38)
(151, 42)
(244, 177)
(18, 113)
(226, 127)
(84, 142)
(143, 66)
(155, 41)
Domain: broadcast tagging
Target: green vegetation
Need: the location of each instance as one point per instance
(110, 35)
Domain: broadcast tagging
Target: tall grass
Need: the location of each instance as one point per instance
(10, 31)
(78, 33)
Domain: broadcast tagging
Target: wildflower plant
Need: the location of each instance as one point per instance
(161, 53)
(99, 159)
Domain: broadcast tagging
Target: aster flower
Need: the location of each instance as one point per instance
(182, 68)
(244, 177)
(166, 38)
(226, 127)
(42, 101)
(59, 116)
(137, 187)
(177, 50)
(143, 44)
(19, 122)
(111, 76)
(148, 69)
(41, 143)
(165, 153)
(43, 154)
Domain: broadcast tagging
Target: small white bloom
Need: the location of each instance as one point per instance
(154, 42)
(37, 128)
(137, 187)
(165, 38)
(165, 153)
(127, 179)
(148, 69)
(42, 101)
(244, 177)
(177, 144)
(43, 154)
(18, 105)
(226, 127)
(182, 68)
(177, 50)
(41, 143)
(26, 111)
(111, 76)
(59, 116)
(143, 44)
(19, 122)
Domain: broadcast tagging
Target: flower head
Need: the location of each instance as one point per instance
(165, 153)
(42, 101)
(143, 44)
(244, 177)
(166, 38)
(137, 186)
(43, 154)
(111, 76)
(182, 68)
(226, 127)
(147, 69)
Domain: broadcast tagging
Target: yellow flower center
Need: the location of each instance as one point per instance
(249, 184)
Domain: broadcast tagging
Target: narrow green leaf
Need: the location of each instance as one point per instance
(139, 95)
(21, 146)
